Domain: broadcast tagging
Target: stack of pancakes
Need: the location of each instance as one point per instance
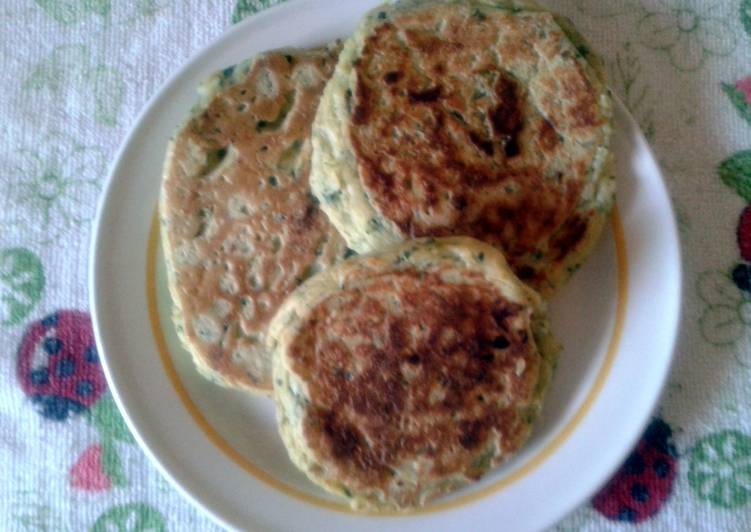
(367, 232)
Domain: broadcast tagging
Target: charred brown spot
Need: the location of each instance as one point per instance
(430, 44)
(500, 314)
(344, 438)
(386, 180)
(472, 433)
(486, 146)
(459, 202)
(501, 342)
(526, 273)
(569, 237)
(512, 148)
(308, 215)
(363, 103)
(431, 193)
(506, 118)
(426, 96)
(392, 77)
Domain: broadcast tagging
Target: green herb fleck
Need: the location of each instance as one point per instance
(375, 224)
(276, 243)
(458, 116)
(307, 273)
(479, 15)
(482, 462)
(348, 98)
(204, 216)
(343, 374)
(264, 126)
(213, 159)
(227, 72)
(288, 160)
(332, 197)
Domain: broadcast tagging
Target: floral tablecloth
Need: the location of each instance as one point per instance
(76, 72)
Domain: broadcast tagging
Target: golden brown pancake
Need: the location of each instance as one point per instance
(408, 373)
(467, 118)
(240, 227)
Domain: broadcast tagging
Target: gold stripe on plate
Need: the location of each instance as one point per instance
(530, 465)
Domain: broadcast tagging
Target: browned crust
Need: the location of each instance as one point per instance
(433, 379)
(436, 159)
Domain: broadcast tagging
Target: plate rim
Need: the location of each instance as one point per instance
(556, 439)
(106, 199)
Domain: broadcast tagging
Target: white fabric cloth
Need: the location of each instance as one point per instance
(76, 72)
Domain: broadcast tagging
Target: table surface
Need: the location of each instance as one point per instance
(75, 74)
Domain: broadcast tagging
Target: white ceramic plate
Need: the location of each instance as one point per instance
(617, 320)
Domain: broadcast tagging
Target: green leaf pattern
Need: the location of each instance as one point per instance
(745, 13)
(688, 31)
(720, 469)
(245, 8)
(72, 11)
(21, 284)
(739, 101)
(626, 77)
(56, 185)
(134, 517)
(32, 515)
(74, 66)
(105, 416)
(727, 314)
(107, 419)
(735, 172)
(112, 465)
(108, 87)
(606, 10)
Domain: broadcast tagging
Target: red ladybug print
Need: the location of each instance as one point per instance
(58, 365)
(644, 483)
(742, 277)
(743, 233)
